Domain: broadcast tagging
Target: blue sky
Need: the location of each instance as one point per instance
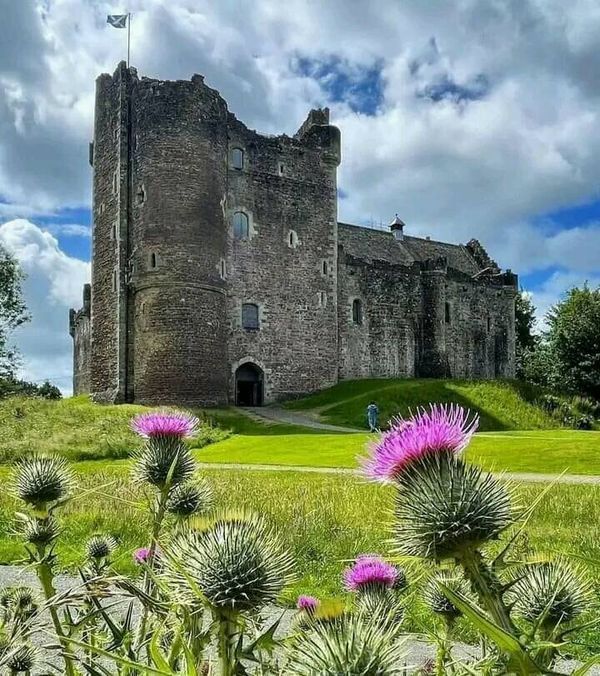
(467, 119)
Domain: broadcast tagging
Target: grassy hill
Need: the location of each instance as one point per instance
(502, 405)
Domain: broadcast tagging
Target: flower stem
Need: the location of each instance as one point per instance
(44, 573)
(226, 644)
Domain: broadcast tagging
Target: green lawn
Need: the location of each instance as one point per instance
(502, 405)
(325, 520)
(552, 451)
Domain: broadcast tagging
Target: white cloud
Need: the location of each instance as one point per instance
(53, 285)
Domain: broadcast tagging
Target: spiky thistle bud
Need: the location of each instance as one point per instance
(550, 593)
(436, 599)
(100, 547)
(445, 506)
(22, 601)
(236, 561)
(353, 646)
(163, 461)
(192, 497)
(43, 480)
(38, 531)
(22, 659)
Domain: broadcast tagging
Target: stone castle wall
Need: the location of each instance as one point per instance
(172, 167)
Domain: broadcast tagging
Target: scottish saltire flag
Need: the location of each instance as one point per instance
(117, 20)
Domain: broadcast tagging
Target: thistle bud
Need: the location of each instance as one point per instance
(41, 481)
(100, 547)
(192, 497)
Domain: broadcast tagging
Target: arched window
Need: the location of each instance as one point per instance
(250, 317)
(241, 227)
(357, 312)
(237, 158)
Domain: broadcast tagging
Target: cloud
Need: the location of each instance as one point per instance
(53, 285)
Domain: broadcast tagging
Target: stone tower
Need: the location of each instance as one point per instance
(196, 219)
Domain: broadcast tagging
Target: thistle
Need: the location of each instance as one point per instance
(434, 595)
(40, 532)
(352, 646)
(445, 507)
(372, 573)
(189, 498)
(165, 425)
(100, 547)
(307, 604)
(441, 430)
(236, 562)
(141, 555)
(41, 481)
(163, 462)
(550, 593)
(21, 659)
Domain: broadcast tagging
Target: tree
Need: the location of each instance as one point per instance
(574, 338)
(526, 340)
(13, 311)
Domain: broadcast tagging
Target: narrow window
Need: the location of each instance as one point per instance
(250, 317)
(237, 158)
(153, 261)
(115, 181)
(280, 169)
(292, 239)
(325, 268)
(114, 231)
(141, 195)
(489, 324)
(447, 312)
(322, 299)
(114, 280)
(223, 269)
(241, 228)
(357, 312)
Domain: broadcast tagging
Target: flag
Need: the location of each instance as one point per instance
(117, 20)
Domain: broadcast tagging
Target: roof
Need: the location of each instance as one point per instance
(371, 245)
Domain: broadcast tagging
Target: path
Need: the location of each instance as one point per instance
(524, 477)
(273, 414)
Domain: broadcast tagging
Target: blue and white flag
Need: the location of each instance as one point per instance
(117, 20)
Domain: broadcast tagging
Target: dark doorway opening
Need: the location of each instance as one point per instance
(249, 385)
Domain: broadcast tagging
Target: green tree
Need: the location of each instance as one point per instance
(574, 339)
(526, 340)
(13, 311)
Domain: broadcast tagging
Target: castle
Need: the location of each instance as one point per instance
(220, 273)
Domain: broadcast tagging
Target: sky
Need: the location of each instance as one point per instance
(470, 118)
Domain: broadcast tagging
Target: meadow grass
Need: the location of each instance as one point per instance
(502, 405)
(325, 520)
(550, 451)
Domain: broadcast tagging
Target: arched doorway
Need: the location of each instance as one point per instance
(249, 385)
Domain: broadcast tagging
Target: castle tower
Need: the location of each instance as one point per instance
(158, 301)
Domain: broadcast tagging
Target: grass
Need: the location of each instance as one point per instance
(325, 520)
(502, 405)
(551, 451)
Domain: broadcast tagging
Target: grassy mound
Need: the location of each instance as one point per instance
(502, 405)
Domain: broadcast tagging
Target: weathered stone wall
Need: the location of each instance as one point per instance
(178, 238)
(80, 330)
(287, 265)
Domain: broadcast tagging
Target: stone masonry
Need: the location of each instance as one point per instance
(220, 273)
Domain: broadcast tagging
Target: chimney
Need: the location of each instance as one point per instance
(397, 228)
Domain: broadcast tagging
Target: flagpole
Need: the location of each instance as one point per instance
(128, 36)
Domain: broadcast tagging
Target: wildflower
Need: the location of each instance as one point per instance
(41, 480)
(165, 424)
(435, 597)
(100, 546)
(189, 498)
(442, 429)
(372, 572)
(141, 555)
(307, 603)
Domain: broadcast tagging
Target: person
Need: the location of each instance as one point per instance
(372, 413)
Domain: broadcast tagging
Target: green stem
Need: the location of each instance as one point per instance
(44, 572)
(443, 647)
(485, 584)
(159, 516)
(226, 644)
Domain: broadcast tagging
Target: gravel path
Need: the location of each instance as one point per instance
(523, 477)
(272, 414)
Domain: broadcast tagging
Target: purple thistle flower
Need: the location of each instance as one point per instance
(370, 571)
(443, 428)
(165, 424)
(307, 603)
(141, 555)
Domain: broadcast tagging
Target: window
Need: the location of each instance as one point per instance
(153, 261)
(489, 324)
(357, 312)
(115, 280)
(114, 231)
(281, 168)
(292, 239)
(237, 158)
(325, 268)
(447, 313)
(322, 299)
(115, 181)
(223, 269)
(250, 317)
(141, 195)
(241, 227)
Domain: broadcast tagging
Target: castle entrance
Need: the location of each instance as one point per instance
(249, 385)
